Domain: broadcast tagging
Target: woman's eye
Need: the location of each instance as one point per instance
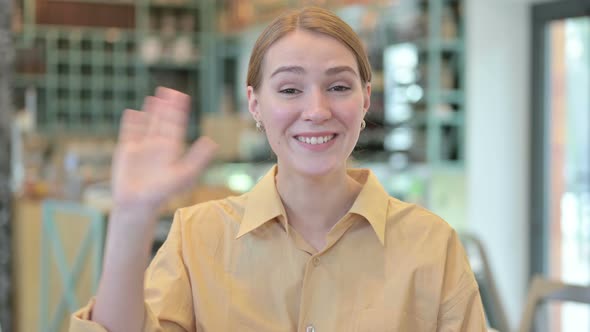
(289, 91)
(339, 88)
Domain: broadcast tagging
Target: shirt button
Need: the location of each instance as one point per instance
(310, 328)
(316, 262)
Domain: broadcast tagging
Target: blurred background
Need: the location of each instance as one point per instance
(480, 112)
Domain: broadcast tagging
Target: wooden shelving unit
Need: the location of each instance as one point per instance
(85, 77)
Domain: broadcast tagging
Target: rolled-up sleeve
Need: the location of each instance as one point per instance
(80, 321)
(168, 297)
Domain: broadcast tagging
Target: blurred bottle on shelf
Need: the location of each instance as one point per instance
(17, 19)
(184, 49)
(73, 182)
(151, 50)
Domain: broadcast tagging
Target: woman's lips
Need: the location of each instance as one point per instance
(316, 141)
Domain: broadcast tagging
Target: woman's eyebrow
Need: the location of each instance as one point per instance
(290, 69)
(339, 69)
(300, 70)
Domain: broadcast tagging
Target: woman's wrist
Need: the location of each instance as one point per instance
(131, 233)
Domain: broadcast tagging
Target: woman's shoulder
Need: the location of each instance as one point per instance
(422, 239)
(208, 225)
(227, 208)
(217, 216)
(414, 222)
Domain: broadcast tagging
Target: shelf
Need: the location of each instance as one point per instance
(98, 59)
(421, 119)
(178, 6)
(95, 59)
(45, 30)
(457, 166)
(456, 97)
(173, 66)
(155, 33)
(451, 96)
(455, 119)
(25, 80)
(445, 46)
(426, 169)
(110, 2)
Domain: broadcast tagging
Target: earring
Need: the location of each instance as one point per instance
(259, 126)
(363, 124)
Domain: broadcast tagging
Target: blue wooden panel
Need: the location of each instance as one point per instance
(52, 252)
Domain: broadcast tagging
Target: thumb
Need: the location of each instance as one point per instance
(198, 156)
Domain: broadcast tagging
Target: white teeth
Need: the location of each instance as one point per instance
(315, 140)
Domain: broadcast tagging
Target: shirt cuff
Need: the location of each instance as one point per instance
(80, 320)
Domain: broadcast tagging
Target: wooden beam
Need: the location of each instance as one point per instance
(6, 58)
(86, 14)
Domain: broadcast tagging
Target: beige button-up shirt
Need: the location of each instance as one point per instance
(236, 265)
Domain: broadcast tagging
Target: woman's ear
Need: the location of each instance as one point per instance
(366, 97)
(253, 103)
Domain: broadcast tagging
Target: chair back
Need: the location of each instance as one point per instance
(490, 297)
(543, 290)
(72, 240)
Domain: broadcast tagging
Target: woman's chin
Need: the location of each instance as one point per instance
(314, 168)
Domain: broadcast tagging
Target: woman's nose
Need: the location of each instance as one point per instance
(317, 109)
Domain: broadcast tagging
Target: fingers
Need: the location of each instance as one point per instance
(179, 100)
(164, 115)
(168, 112)
(134, 125)
(196, 160)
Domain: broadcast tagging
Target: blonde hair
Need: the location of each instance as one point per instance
(313, 19)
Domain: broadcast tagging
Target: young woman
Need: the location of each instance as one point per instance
(314, 246)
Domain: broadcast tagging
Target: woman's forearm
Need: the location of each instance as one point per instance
(119, 303)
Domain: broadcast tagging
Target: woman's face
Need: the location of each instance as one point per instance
(311, 102)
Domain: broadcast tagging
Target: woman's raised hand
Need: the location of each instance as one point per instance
(150, 162)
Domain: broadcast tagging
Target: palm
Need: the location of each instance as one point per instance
(149, 162)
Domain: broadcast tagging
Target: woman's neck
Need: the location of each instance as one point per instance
(315, 204)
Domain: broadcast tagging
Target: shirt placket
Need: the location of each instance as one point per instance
(306, 323)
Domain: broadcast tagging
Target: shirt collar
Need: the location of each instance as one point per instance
(264, 203)
(372, 202)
